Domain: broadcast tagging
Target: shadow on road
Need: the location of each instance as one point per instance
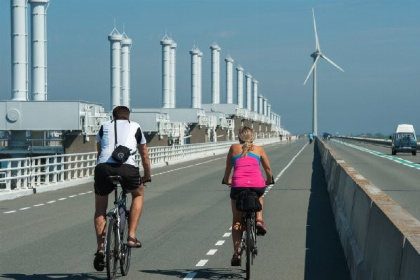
(50, 276)
(205, 273)
(324, 255)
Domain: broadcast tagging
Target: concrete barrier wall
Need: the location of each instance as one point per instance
(380, 239)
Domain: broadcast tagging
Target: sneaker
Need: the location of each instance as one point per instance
(260, 226)
(99, 261)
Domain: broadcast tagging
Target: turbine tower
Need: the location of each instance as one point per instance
(316, 55)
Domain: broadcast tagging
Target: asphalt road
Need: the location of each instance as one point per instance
(185, 226)
(398, 176)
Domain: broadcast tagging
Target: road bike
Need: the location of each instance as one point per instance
(248, 203)
(117, 253)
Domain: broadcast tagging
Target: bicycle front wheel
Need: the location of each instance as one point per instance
(111, 250)
(125, 250)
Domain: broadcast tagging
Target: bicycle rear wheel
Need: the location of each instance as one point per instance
(248, 247)
(125, 250)
(111, 250)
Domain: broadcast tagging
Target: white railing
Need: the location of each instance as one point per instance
(29, 173)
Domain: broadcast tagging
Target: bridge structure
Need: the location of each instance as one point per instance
(328, 217)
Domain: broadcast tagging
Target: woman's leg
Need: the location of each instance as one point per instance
(236, 227)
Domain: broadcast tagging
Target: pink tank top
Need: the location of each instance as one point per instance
(247, 172)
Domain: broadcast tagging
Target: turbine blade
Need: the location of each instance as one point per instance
(330, 61)
(317, 47)
(312, 69)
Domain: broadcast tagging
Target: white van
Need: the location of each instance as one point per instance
(404, 140)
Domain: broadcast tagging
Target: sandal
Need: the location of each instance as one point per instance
(260, 226)
(99, 261)
(236, 260)
(135, 243)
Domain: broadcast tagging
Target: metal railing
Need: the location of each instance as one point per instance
(34, 172)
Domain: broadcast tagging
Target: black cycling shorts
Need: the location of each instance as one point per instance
(129, 173)
(234, 192)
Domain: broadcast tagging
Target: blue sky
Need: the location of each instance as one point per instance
(376, 42)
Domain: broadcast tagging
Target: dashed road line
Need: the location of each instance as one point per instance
(220, 243)
(202, 263)
(211, 252)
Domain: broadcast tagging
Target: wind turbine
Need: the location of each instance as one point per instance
(316, 55)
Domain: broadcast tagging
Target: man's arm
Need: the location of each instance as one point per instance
(145, 161)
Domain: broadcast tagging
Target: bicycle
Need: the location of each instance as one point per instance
(248, 203)
(116, 249)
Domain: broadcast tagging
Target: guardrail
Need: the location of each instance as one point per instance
(37, 173)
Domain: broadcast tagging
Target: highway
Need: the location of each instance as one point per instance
(398, 176)
(185, 227)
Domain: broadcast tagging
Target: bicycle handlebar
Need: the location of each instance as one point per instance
(272, 181)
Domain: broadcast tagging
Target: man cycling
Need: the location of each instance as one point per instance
(129, 134)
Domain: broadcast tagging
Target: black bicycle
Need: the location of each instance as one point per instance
(117, 253)
(248, 203)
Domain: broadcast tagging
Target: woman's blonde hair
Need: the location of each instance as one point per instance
(246, 137)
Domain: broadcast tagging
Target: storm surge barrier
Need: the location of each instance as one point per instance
(380, 239)
(23, 176)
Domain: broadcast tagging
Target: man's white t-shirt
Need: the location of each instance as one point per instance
(129, 134)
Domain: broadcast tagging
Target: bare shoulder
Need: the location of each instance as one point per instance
(259, 150)
(236, 149)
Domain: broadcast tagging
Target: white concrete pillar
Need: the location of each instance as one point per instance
(125, 71)
(19, 50)
(166, 43)
(260, 104)
(173, 75)
(194, 78)
(39, 49)
(248, 88)
(215, 73)
(255, 94)
(240, 86)
(200, 78)
(229, 80)
(115, 39)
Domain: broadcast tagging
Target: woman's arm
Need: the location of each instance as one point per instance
(266, 165)
(228, 169)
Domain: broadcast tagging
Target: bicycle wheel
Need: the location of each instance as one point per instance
(125, 250)
(248, 247)
(253, 241)
(111, 250)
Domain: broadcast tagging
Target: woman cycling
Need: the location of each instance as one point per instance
(245, 159)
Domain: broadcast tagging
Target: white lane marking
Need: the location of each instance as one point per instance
(227, 234)
(52, 201)
(24, 208)
(8, 212)
(71, 196)
(37, 205)
(190, 276)
(211, 252)
(83, 193)
(202, 263)
(63, 198)
(220, 243)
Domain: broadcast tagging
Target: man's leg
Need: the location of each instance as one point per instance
(135, 210)
(101, 203)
